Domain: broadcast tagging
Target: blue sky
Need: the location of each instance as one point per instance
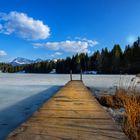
(50, 29)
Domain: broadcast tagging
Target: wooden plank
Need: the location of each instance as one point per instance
(72, 114)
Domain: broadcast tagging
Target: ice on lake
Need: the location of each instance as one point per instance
(22, 94)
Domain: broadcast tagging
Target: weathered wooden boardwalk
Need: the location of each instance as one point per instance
(72, 114)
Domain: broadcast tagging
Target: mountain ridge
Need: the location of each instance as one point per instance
(22, 61)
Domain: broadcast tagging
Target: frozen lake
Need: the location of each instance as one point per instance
(22, 94)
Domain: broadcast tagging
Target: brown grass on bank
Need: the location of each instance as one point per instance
(131, 121)
(112, 101)
(129, 99)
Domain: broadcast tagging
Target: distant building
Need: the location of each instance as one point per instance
(90, 72)
(53, 71)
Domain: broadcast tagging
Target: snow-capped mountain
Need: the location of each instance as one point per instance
(38, 60)
(22, 61)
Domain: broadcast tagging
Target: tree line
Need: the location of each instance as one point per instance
(106, 61)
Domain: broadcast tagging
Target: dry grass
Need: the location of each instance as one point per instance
(130, 97)
(131, 121)
(110, 101)
(127, 97)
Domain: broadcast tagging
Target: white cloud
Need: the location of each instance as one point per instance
(23, 26)
(91, 42)
(1, 27)
(56, 54)
(2, 53)
(76, 46)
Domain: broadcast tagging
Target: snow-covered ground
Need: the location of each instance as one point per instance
(22, 94)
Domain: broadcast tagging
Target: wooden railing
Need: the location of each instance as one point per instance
(81, 76)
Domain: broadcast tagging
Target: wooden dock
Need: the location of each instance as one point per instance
(72, 113)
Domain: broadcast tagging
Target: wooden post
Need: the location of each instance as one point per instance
(71, 75)
(81, 75)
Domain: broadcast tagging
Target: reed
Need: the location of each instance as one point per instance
(127, 96)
